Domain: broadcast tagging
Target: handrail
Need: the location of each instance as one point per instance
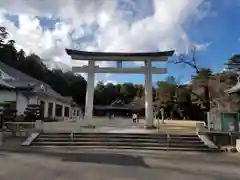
(168, 139)
(72, 136)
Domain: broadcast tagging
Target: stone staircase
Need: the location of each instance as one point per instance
(136, 141)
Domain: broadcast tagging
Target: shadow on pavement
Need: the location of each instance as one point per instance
(92, 157)
(100, 158)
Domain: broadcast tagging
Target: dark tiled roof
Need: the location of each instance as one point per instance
(234, 57)
(5, 84)
(234, 60)
(22, 80)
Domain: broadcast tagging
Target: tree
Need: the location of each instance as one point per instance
(202, 78)
(3, 34)
(165, 95)
(129, 91)
(202, 75)
(184, 102)
(188, 59)
(219, 97)
(11, 43)
(77, 89)
(9, 55)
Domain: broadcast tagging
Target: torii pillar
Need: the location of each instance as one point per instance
(148, 95)
(90, 92)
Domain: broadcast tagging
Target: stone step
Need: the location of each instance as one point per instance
(106, 134)
(121, 134)
(200, 149)
(177, 126)
(121, 137)
(176, 137)
(141, 141)
(182, 135)
(103, 136)
(101, 139)
(132, 144)
(183, 138)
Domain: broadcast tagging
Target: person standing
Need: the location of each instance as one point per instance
(134, 118)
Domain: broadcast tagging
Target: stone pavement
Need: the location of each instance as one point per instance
(74, 164)
(101, 124)
(120, 125)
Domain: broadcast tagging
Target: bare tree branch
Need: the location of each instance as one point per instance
(184, 59)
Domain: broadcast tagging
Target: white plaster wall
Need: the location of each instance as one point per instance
(33, 100)
(22, 103)
(7, 96)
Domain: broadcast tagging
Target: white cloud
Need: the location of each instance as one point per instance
(114, 29)
(110, 81)
(202, 47)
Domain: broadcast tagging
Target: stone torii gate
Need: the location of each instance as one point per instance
(147, 70)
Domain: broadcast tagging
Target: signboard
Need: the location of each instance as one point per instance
(230, 122)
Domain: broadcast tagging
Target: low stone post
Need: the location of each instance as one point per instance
(38, 125)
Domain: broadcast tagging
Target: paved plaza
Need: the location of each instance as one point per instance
(118, 124)
(73, 164)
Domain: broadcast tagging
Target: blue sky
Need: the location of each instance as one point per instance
(221, 30)
(127, 25)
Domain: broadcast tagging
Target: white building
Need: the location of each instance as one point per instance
(22, 90)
